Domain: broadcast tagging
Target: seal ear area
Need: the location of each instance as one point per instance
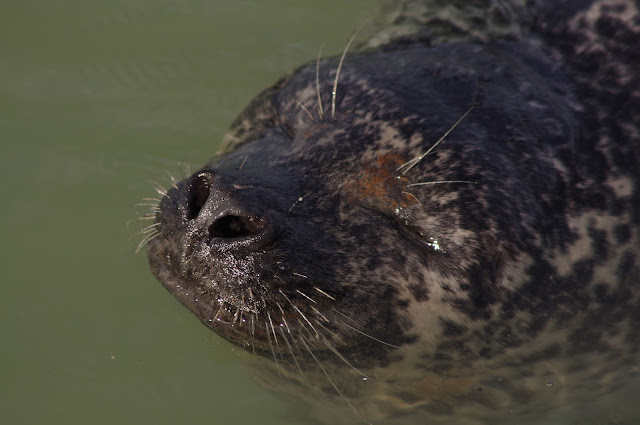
(214, 210)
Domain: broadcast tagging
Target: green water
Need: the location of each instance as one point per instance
(96, 99)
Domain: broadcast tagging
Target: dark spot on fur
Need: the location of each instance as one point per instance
(447, 288)
(622, 233)
(625, 268)
(586, 338)
(451, 329)
(549, 352)
(403, 303)
(419, 291)
(600, 291)
(608, 26)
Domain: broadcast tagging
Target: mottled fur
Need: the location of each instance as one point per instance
(493, 276)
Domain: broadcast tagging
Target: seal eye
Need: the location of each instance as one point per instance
(233, 226)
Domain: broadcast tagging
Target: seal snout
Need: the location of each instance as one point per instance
(228, 221)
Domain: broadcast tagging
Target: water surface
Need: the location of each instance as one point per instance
(97, 99)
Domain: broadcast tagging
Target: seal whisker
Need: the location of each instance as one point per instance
(170, 182)
(335, 387)
(158, 188)
(186, 169)
(148, 204)
(304, 327)
(148, 238)
(217, 315)
(147, 229)
(300, 199)
(413, 196)
(326, 330)
(366, 334)
(320, 107)
(440, 182)
(254, 302)
(283, 319)
(151, 215)
(273, 329)
(306, 296)
(304, 108)
(173, 181)
(307, 320)
(342, 358)
(359, 331)
(146, 217)
(334, 91)
(273, 352)
(150, 212)
(412, 163)
(142, 216)
(315, 310)
(243, 161)
(236, 316)
(293, 356)
(243, 307)
(146, 208)
(161, 191)
(324, 293)
(148, 233)
(295, 307)
(295, 338)
(252, 332)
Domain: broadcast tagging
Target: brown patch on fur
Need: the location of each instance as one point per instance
(380, 186)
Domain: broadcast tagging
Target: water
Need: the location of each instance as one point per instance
(96, 99)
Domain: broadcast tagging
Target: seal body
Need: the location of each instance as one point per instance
(433, 229)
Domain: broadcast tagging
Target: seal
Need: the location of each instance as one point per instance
(442, 225)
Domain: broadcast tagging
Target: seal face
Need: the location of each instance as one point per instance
(455, 231)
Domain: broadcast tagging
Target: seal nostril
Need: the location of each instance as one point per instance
(199, 191)
(233, 226)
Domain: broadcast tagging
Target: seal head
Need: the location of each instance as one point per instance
(338, 213)
(449, 225)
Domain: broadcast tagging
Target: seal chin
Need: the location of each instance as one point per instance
(159, 262)
(216, 311)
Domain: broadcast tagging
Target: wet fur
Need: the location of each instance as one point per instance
(457, 234)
